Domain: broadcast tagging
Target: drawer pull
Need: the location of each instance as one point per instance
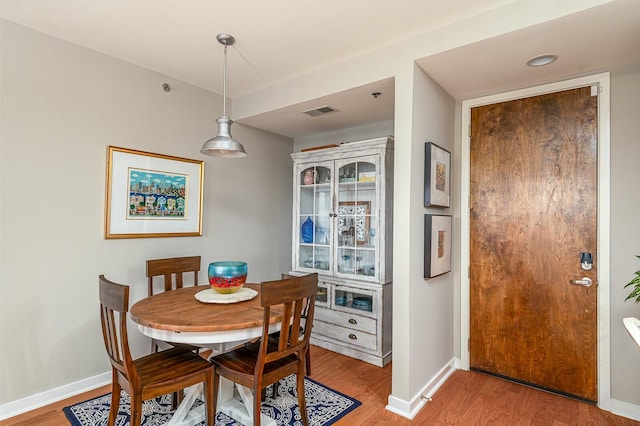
(353, 337)
(352, 321)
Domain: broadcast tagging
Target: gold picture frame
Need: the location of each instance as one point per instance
(152, 195)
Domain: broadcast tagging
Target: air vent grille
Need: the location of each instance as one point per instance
(323, 110)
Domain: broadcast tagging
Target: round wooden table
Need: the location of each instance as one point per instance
(176, 316)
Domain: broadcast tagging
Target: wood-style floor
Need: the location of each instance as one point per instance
(467, 398)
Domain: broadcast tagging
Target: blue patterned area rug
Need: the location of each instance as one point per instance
(324, 406)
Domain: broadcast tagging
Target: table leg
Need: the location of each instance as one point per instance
(241, 409)
(185, 415)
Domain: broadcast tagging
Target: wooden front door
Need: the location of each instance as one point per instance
(533, 211)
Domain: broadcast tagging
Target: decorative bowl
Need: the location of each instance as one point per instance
(228, 276)
(341, 300)
(362, 302)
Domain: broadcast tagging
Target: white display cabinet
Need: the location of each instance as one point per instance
(342, 229)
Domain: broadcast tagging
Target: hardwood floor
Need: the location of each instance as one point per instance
(467, 398)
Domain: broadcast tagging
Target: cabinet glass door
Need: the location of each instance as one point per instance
(353, 300)
(322, 295)
(313, 222)
(357, 217)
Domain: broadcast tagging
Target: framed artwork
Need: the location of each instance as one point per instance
(356, 214)
(437, 176)
(437, 245)
(152, 195)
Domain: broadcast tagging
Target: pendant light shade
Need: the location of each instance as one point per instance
(224, 145)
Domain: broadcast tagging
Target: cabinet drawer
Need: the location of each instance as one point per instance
(345, 335)
(356, 322)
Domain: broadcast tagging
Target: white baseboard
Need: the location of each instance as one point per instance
(38, 400)
(625, 409)
(411, 408)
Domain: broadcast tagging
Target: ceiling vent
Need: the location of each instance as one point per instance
(323, 110)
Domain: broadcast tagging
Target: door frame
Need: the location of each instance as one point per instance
(603, 210)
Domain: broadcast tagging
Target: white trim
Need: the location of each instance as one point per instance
(625, 409)
(604, 236)
(38, 400)
(411, 408)
(205, 338)
(604, 180)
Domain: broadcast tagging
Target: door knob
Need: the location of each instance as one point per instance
(585, 281)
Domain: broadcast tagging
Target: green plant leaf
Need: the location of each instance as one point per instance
(635, 285)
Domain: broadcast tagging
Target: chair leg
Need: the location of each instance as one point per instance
(214, 392)
(136, 409)
(257, 404)
(302, 404)
(115, 402)
(176, 399)
(276, 385)
(308, 361)
(210, 400)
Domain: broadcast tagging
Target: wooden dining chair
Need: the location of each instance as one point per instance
(153, 375)
(174, 270)
(274, 337)
(257, 367)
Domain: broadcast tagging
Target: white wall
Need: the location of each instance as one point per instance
(423, 328)
(625, 229)
(61, 106)
(352, 134)
(431, 300)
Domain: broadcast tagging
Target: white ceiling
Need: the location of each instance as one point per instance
(593, 40)
(277, 41)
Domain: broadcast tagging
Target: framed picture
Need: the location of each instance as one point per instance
(356, 214)
(152, 195)
(437, 245)
(437, 176)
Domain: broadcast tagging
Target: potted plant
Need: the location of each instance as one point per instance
(635, 287)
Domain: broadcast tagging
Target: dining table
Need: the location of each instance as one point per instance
(200, 317)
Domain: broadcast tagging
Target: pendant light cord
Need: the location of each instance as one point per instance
(223, 144)
(250, 64)
(224, 89)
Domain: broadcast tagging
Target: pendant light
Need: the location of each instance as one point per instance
(224, 145)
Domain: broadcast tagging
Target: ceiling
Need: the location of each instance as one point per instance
(593, 40)
(278, 41)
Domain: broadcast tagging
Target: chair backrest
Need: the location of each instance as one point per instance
(286, 276)
(114, 305)
(170, 268)
(298, 297)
